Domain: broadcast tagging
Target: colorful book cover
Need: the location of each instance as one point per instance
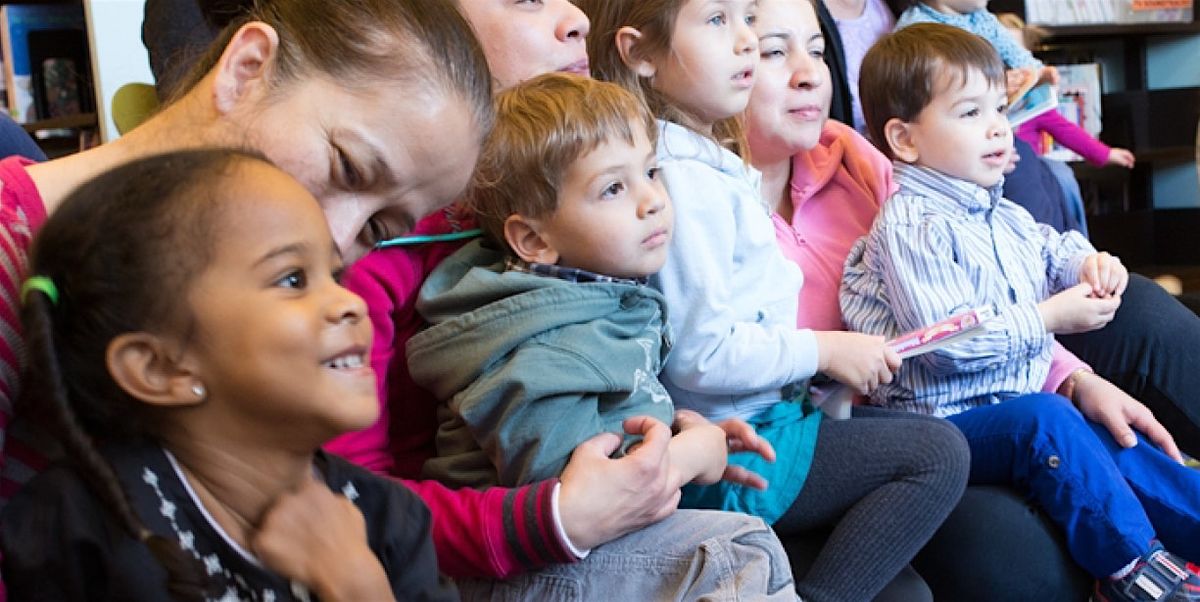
(836, 399)
(1039, 99)
(16, 21)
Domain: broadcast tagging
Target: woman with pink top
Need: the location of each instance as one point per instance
(826, 184)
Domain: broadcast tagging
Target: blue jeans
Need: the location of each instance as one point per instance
(691, 555)
(1110, 502)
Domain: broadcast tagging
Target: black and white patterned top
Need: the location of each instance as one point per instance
(60, 543)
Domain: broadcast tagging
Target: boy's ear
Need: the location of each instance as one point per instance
(244, 64)
(143, 366)
(523, 238)
(900, 140)
(627, 45)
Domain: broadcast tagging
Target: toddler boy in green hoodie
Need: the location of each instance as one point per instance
(544, 333)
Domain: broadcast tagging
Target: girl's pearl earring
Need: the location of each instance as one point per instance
(198, 390)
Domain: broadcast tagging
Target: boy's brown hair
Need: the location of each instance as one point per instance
(905, 69)
(543, 126)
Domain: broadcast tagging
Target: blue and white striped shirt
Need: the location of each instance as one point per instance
(941, 246)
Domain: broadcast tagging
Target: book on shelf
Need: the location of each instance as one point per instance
(55, 56)
(836, 399)
(1110, 12)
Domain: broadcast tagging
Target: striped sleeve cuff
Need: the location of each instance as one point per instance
(531, 527)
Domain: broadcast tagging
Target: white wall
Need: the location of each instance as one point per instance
(118, 56)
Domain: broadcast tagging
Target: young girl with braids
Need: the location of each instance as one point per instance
(190, 348)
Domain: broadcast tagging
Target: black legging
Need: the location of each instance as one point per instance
(883, 499)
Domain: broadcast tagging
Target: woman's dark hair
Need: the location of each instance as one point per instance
(360, 43)
(121, 251)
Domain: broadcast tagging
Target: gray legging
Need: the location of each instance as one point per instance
(883, 500)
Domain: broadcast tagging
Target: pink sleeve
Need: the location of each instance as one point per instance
(1073, 137)
(1062, 364)
(376, 278)
(493, 533)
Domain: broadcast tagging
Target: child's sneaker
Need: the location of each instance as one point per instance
(1159, 577)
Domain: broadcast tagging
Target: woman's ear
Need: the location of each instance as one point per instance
(900, 139)
(143, 366)
(244, 64)
(627, 45)
(523, 238)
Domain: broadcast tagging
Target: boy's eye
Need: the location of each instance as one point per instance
(294, 279)
(971, 113)
(750, 19)
(1002, 109)
(717, 19)
(613, 190)
(652, 173)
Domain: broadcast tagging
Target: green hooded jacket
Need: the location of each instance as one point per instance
(526, 367)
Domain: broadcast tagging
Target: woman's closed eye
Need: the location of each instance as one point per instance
(351, 176)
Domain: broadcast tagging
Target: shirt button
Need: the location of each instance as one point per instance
(1053, 461)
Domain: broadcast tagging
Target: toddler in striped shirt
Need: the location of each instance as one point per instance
(947, 241)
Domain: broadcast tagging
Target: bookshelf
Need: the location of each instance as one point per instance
(1137, 213)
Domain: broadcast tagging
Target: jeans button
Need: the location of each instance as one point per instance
(1053, 461)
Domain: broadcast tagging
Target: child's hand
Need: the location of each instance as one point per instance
(740, 437)
(1077, 310)
(1105, 273)
(1048, 75)
(1120, 156)
(860, 361)
(1018, 80)
(700, 450)
(318, 538)
(1013, 158)
(1104, 403)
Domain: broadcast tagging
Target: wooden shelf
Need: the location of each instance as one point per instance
(70, 122)
(1129, 29)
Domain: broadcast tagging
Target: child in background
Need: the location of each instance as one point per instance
(1070, 135)
(859, 23)
(547, 335)
(973, 16)
(1065, 132)
(883, 484)
(947, 242)
(191, 351)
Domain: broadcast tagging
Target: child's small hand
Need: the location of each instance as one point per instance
(1077, 310)
(1013, 158)
(1105, 273)
(1120, 156)
(740, 437)
(700, 449)
(1048, 75)
(857, 360)
(1016, 80)
(333, 560)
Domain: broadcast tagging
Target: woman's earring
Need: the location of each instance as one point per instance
(198, 390)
